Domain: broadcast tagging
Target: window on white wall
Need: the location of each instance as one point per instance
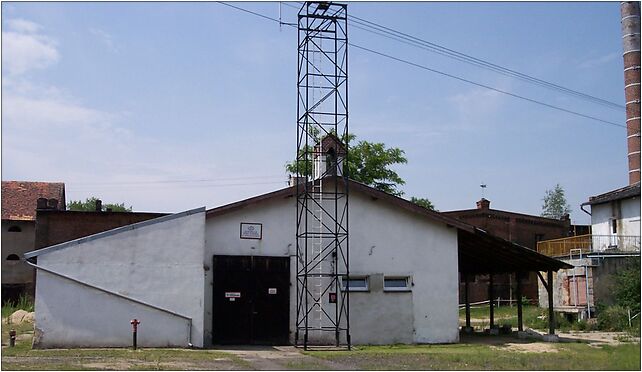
(396, 283)
(355, 284)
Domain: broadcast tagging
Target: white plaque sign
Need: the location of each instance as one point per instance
(251, 230)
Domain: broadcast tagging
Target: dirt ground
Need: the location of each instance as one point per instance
(292, 358)
(281, 358)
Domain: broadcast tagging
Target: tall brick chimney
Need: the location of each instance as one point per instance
(630, 11)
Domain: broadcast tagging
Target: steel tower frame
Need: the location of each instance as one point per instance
(322, 263)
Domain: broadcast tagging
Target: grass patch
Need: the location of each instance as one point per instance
(486, 357)
(24, 303)
(23, 357)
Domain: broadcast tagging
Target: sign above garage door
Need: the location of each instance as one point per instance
(251, 230)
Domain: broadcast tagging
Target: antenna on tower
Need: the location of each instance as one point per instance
(483, 188)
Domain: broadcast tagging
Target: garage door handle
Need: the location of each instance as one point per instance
(255, 312)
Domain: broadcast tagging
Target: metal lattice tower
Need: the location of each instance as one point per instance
(322, 184)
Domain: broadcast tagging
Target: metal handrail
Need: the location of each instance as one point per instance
(589, 243)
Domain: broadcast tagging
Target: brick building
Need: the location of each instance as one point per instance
(55, 226)
(523, 229)
(19, 199)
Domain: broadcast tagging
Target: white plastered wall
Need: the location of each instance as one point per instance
(155, 263)
(625, 211)
(385, 241)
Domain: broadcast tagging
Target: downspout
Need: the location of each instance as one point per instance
(189, 334)
(584, 210)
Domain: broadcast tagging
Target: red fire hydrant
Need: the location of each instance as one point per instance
(134, 323)
(12, 338)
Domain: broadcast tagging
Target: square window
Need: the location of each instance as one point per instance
(396, 284)
(355, 284)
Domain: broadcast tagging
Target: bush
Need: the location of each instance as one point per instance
(613, 318)
(627, 286)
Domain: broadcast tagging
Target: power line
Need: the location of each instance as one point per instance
(99, 187)
(487, 86)
(177, 181)
(450, 75)
(407, 39)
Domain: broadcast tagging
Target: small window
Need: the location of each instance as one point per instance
(396, 284)
(614, 226)
(13, 257)
(15, 229)
(355, 284)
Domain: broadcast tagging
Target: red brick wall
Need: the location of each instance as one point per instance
(515, 227)
(53, 227)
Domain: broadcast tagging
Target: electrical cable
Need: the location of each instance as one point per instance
(450, 75)
(462, 57)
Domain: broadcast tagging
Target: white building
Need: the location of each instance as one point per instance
(596, 257)
(615, 219)
(192, 278)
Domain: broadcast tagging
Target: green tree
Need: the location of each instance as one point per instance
(368, 163)
(555, 205)
(89, 205)
(627, 286)
(423, 202)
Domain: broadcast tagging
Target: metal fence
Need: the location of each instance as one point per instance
(589, 244)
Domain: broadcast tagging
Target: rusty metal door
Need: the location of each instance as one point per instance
(251, 300)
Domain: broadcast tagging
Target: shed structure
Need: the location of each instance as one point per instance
(226, 275)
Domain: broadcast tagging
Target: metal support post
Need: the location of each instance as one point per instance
(490, 301)
(467, 300)
(551, 314)
(520, 321)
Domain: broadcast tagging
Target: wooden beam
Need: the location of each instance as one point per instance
(551, 315)
(490, 300)
(520, 320)
(541, 278)
(467, 300)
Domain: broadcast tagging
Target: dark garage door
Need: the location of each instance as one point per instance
(251, 300)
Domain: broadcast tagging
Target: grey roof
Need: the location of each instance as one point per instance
(621, 193)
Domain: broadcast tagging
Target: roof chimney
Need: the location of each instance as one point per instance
(99, 205)
(41, 203)
(483, 204)
(294, 180)
(52, 203)
(630, 11)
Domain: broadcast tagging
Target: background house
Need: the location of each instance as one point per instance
(523, 229)
(19, 202)
(55, 226)
(596, 257)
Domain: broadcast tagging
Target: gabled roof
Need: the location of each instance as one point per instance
(618, 194)
(479, 252)
(353, 186)
(499, 212)
(19, 198)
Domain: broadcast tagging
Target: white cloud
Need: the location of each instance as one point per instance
(105, 38)
(25, 49)
(23, 26)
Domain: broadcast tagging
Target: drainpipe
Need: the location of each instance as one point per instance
(584, 210)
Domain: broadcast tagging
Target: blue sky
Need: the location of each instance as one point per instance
(125, 101)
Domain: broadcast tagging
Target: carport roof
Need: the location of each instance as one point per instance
(483, 253)
(479, 252)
